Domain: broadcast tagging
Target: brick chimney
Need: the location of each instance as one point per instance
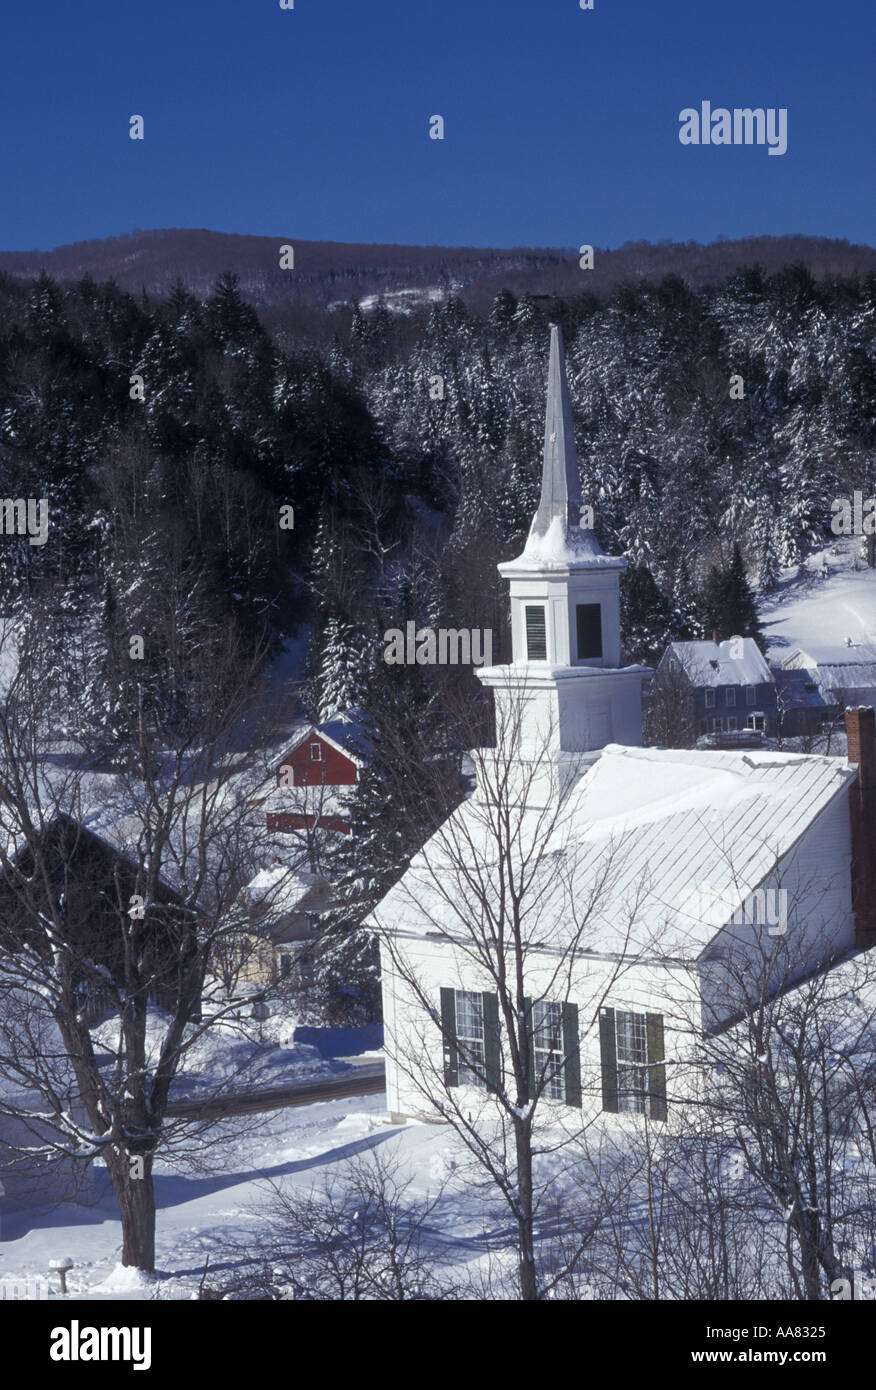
(861, 735)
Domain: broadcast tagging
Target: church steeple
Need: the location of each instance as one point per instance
(560, 481)
(565, 612)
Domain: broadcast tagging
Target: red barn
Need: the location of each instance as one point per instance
(323, 757)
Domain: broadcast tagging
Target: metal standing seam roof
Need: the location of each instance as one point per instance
(671, 822)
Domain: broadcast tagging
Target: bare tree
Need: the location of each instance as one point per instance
(793, 1086)
(85, 950)
(359, 1235)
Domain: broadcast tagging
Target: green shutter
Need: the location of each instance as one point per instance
(492, 1067)
(608, 1054)
(656, 1067)
(448, 1030)
(572, 1063)
(527, 1042)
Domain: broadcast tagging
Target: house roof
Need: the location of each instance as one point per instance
(346, 731)
(835, 668)
(279, 890)
(110, 839)
(717, 663)
(644, 832)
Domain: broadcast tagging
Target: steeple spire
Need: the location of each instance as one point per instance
(560, 483)
(565, 692)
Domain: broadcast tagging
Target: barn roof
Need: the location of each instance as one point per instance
(644, 830)
(346, 731)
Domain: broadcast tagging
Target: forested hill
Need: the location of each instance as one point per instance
(328, 276)
(409, 447)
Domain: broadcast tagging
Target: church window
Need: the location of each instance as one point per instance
(589, 621)
(536, 633)
(633, 1063)
(470, 1024)
(547, 1046)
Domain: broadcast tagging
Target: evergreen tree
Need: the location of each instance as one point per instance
(687, 606)
(730, 605)
(345, 668)
(646, 616)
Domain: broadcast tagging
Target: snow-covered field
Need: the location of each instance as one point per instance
(202, 1214)
(822, 611)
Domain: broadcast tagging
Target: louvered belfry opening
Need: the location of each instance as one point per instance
(861, 735)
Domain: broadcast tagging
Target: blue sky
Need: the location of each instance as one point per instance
(561, 124)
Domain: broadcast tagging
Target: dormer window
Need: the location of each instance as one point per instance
(536, 632)
(589, 621)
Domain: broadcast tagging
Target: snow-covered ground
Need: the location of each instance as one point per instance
(204, 1214)
(822, 612)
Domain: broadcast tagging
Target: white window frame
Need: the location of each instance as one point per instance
(468, 1044)
(631, 1060)
(710, 699)
(548, 1052)
(751, 722)
(316, 752)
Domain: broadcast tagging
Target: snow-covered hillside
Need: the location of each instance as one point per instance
(818, 611)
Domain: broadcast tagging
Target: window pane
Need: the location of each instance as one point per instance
(536, 634)
(470, 1037)
(589, 619)
(632, 1061)
(547, 1047)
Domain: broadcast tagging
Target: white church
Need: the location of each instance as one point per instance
(573, 928)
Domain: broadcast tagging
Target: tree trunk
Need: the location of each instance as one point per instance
(136, 1200)
(525, 1236)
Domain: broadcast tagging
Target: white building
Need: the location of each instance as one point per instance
(649, 879)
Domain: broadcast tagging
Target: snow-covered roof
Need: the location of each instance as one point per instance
(644, 831)
(798, 688)
(736, 661)
(837, 667)
(556, 540)
(347, 731)
(279, 889)
(561, 547)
